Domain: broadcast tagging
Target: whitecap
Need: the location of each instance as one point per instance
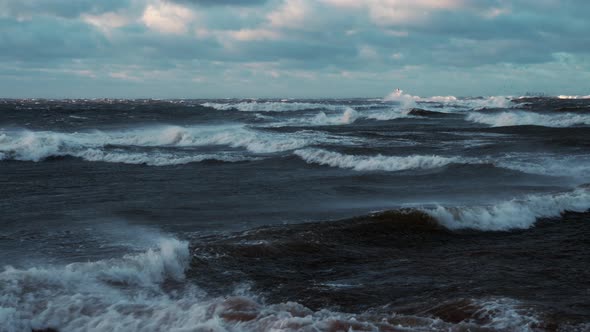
(373, 163)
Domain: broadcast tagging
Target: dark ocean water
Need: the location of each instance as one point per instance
(401, 214)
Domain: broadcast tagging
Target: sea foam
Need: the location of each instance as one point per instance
(133, 293)
(519, 213)
(373, 163)
(520, 118)
(109, 146)
(271, 106)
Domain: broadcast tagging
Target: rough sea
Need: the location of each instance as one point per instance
(392, 214)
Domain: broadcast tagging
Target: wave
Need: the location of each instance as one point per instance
(373, 163)
(520, 118)
(349, 116)
(573, 97)
(271, 106)
(81, 296)
(548, 164)
(147, 292)
(409, 101)
(95, 145)
(513, 214)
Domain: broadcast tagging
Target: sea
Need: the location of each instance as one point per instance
(400, 213)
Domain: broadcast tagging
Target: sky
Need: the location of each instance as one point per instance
(292, 48)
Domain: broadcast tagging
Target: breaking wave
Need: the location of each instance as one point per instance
(271, 106)
(513, 214)
(408, 101)
(147, 292)
(103, 295)
(349, 116)
(520, 118)
(98, 145)
(548, 164)
(373, 163)
(573, 97)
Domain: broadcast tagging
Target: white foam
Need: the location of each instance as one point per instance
(450, 103)
(577, 166)
(388, 114)
(153, 158)
(405, 100)
(127, 294)
(373, 163)
(348, 116)
(37, 145)
(271, 106)
(513, 214)
(99, 295)
(573, 97)
(505, 314)
(520, 118)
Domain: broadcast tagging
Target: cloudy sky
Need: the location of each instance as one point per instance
(292, 48)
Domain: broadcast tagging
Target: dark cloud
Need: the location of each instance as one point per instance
(60, 8)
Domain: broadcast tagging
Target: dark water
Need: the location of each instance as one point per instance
(267, 215)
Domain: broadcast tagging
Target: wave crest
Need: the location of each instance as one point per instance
(512, 214)
(113, 146)
(271, 106)
(373, 163)
(519, 118)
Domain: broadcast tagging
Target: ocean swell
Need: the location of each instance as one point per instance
(513, 214)
(373, 163)
(520, 118)
(98, 145)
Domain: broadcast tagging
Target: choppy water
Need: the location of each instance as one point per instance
(394, 214)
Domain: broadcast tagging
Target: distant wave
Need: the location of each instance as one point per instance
(409, 101)
(271, 106)
(373, 163)
(573, 97)
(520, 118)
(348, 116)
(98, 145)
(513, 214)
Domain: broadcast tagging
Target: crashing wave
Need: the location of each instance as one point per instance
(373, 163)
(521, 118)
(38, 145)
(133, 293)
(408, 101)
(513, 214)
(349, 116)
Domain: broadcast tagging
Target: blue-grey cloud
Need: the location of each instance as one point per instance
(309, 44)
(223, 2)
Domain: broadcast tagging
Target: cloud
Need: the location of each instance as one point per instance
(223, 2)
(168, 18)
(26, 9)
(291, 14)
(395, 12)
(371, 43)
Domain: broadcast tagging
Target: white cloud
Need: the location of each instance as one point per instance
(291, 14)
(168, 18)
(392, 12)
(107, 21)
(367, 52)
(254, 34)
